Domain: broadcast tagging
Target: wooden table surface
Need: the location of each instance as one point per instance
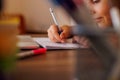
(54, 65)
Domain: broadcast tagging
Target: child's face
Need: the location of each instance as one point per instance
(100, 12)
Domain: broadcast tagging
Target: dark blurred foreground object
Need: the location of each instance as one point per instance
(1, 73)
(104, 51)
(115, 16)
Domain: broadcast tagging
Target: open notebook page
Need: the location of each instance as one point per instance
(46, 43)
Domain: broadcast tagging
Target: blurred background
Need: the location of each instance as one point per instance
(35, 14)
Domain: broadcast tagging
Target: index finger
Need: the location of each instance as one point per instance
(57, 36)
(55, 33)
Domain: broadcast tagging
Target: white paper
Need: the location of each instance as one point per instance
(26, 42)
(46, 43)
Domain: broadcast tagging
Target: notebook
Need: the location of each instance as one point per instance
(26, 42)
(46, 43)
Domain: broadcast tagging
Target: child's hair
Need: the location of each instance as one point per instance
(116, 3)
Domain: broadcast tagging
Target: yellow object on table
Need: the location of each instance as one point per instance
(8, 41)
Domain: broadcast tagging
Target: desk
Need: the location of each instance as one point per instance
(54, 65)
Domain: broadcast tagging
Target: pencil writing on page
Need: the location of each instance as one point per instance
(54, 17)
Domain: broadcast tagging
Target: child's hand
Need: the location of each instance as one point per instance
(53, 33)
